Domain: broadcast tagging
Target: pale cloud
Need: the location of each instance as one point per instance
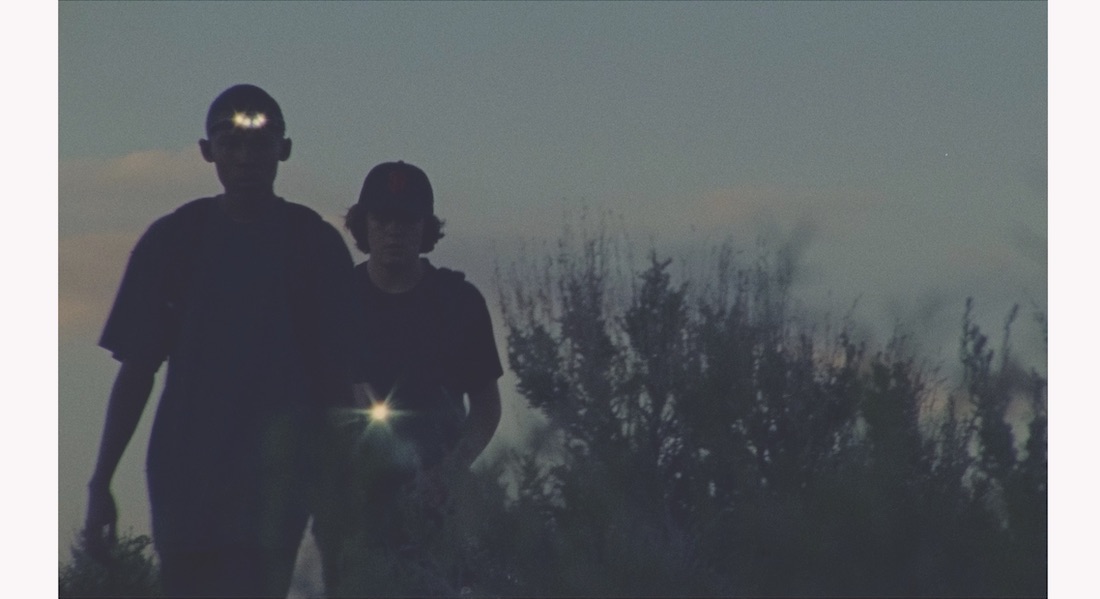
(156, 167)
(751, 211)
(89, 270)
(753, 205)
(127, 193)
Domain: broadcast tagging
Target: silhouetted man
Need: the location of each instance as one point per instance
(249, 299)
(435, 349)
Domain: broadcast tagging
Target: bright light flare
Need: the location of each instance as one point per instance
(374, 413)
(249, 120)
(379, 412)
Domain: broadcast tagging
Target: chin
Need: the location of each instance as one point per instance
(396, 260)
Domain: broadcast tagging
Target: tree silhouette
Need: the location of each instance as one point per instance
(716, 442)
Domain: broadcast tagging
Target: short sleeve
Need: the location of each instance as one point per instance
(140, 325)
(480, 360)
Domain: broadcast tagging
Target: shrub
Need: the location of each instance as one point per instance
(129, 570)
(713, 441)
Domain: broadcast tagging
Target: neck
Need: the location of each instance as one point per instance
(395, 278)
(246, 205)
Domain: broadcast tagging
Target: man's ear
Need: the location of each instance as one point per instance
(204, 147)
(284, 152)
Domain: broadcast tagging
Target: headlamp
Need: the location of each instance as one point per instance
(249, 120)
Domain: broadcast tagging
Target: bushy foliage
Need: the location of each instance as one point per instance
(128, 570)
(713, 442)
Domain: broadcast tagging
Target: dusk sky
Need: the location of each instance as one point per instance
(903, 143)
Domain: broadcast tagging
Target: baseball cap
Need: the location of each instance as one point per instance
(397, 188)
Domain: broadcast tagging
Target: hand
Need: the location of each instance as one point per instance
(431, 486)
(99, 532)
(435, 484)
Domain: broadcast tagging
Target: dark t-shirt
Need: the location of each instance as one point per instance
(254, 318)
(435, 343)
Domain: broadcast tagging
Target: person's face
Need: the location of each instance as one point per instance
(246, 159)
(394, 239)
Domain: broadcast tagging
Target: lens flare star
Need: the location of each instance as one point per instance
(379, 412)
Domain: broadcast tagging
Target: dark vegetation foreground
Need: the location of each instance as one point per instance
(702, 439)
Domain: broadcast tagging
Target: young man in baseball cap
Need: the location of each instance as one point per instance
(436, 352)
(248, 297)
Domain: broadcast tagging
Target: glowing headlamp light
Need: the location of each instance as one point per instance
(249, 120)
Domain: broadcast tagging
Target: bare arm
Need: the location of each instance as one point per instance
(481, 424)
(129, 395)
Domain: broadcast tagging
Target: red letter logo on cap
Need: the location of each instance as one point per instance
(397, 182)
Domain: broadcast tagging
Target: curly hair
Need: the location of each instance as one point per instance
(356, 223)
